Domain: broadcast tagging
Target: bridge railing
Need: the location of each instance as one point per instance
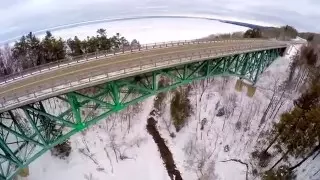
(103, 54)
(96, 77)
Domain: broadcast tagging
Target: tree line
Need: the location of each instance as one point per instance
(282, 33)
(30, 51)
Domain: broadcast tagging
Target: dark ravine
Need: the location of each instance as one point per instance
(165, 153)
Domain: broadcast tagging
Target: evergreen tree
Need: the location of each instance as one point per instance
(28, 51)
(34, 50)
(135, 44)
(253, 33)
(71, 45)
(75, 46)
(104, 42)
(93, 44)
(115, 42)
(53, 49)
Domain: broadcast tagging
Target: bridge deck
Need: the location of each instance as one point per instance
(25, 90)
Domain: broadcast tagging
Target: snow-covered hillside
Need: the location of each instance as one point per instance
(120, 147)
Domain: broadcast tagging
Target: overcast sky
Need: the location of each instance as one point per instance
(21, 16)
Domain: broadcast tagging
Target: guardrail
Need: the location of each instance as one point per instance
(98, 77)
(104, 54)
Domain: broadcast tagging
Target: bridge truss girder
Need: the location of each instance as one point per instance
(29, 131)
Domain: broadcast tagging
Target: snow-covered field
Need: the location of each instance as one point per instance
(120, 147)
(152, 30)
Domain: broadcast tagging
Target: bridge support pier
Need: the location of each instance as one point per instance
(23, 174)
(251, 89)
(239, 85)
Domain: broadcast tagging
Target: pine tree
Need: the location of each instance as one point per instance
(135, 44)
(53, 49)
(77, 46)
(93, 44)
(253, 33)
(104, 42)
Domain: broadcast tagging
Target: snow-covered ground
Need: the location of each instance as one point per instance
(120, 148)
(152, 30)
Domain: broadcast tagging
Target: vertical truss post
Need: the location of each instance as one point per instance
(260, 59)
(225, 60)
(75, 106)
(208, 68)
(115, 96)
(245, 64)
(185, 69)
(47, 123)
(253, 65)
(154, 81)
(274, 54)
(269, 58)
(237, 63)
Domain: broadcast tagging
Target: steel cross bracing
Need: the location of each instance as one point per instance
(29, 131)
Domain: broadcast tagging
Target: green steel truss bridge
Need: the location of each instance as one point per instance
(43, 107)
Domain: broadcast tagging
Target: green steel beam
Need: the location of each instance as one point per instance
(154, 81)
(115, 95)
(75, 107)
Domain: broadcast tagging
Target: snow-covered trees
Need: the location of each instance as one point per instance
(6, 61)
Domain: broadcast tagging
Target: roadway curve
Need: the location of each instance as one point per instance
(54, 77)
